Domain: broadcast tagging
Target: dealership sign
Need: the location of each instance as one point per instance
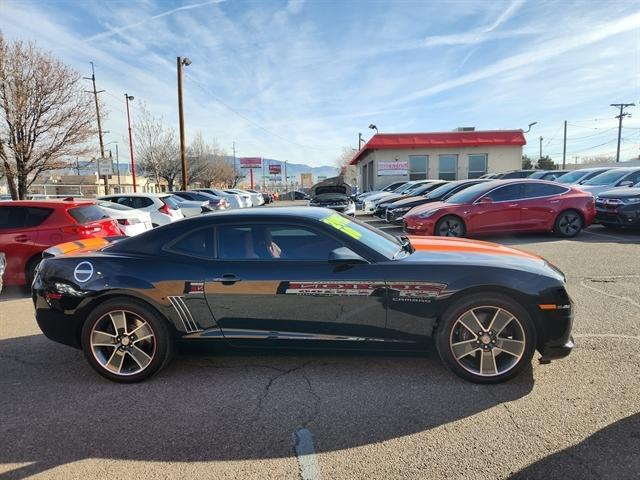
(251, 162)
(275, 169)
(397, 167)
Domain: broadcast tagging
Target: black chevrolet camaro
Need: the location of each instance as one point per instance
(300, 277)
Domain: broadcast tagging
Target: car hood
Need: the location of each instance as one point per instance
(378, 196)
(621, 193)
(331, 188)
(462, 251)
(431, 206)
(391, 198)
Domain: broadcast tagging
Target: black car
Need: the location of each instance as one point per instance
(396, 210)
(619, 208)
(515, 174)
(422, 189)
(301, 277)
(550, 175)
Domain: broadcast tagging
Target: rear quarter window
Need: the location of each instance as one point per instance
(197, 243)
(22, 217)
(87, 214)
(170, 202)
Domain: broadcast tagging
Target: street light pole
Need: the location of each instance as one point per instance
(540, 147)
(133, 163)
(183, 155)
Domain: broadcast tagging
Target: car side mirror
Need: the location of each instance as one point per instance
(345, 256)
(626, 183)
(485, 199)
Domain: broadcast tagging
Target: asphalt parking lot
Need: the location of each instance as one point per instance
(224, 415)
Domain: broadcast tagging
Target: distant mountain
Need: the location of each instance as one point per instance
(295, 169)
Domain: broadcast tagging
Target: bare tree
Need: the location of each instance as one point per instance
(208, 163)
(157, 148)
(45, 115)
(345, 157)
(199, 154)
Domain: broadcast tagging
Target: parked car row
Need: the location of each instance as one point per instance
(517, 201)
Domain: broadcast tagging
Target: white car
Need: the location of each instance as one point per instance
(369, 204)
(244, 196)
(192, 208)
(580, 176)
(611, 179)
(233, 198)
(257, 198)
(131, 221)
(161, 206)
(389, 188)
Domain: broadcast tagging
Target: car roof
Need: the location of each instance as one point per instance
(57, 203)
(152, 194)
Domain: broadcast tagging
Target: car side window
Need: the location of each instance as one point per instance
(533, 190)
(22, 217)
(197, 243)
(506, 193)
(270, 242)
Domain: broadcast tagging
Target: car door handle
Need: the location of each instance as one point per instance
(227, 278)
(554, 201)
(21, 238)
(513, 204)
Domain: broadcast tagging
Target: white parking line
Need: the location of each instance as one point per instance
(306, 455)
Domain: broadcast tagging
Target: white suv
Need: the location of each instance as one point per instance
(162, 208)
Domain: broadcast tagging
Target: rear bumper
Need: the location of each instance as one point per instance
(55, 324)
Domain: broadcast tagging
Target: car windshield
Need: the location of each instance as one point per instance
(468, 195)
(538, 174)
(404, 187)
(571, 177)
(114, 206)
(442, 190)
(392, 187)
(607, 178)
(373, 238)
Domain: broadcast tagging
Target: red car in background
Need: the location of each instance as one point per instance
(28, 227)
(505, 206)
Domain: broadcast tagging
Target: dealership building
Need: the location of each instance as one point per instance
(461, 154)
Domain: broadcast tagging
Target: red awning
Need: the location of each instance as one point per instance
(490, 138)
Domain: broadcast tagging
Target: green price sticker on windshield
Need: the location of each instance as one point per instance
(343, 224)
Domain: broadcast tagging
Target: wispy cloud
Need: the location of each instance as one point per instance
(122, 28)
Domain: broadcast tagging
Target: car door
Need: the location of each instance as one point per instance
(19, 231)
(498, 210)
(540, 205)
(274, 282)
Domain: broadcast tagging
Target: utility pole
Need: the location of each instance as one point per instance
(622, 114)
(360, 141)
(95, 97)
(183, 154)
(286, 177)
(127, 98)
(235, 174)
(540, 147)
(564, 145)
(118, 169)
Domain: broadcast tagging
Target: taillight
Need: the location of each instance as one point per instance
(164, 209)
(83, 230)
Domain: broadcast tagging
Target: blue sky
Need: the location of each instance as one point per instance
(297, 80)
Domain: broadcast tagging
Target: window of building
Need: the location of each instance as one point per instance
(477, 165)
(418, 165)
(448, 167)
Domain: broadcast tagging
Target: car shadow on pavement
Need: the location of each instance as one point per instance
(613, 452)
(14, 293)
(226, 406)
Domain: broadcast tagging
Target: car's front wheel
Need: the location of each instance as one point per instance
(126, 340)
(486, 338)
(450, 226)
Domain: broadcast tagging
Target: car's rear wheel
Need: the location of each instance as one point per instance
(568, 224)
(126, 341)
(450, 226)
(486, 338)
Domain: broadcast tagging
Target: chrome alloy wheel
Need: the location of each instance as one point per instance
(123, 342)
(487, 341)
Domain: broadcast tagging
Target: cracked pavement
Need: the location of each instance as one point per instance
(234, 415)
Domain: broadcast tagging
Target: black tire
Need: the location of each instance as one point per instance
(449, 329)
(450, 226)
(163, 342)
(568, 224)
(30, 271)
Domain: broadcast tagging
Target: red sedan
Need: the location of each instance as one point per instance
(505, 206)
(29, 227)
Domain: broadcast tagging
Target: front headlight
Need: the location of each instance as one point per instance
(427, 214)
